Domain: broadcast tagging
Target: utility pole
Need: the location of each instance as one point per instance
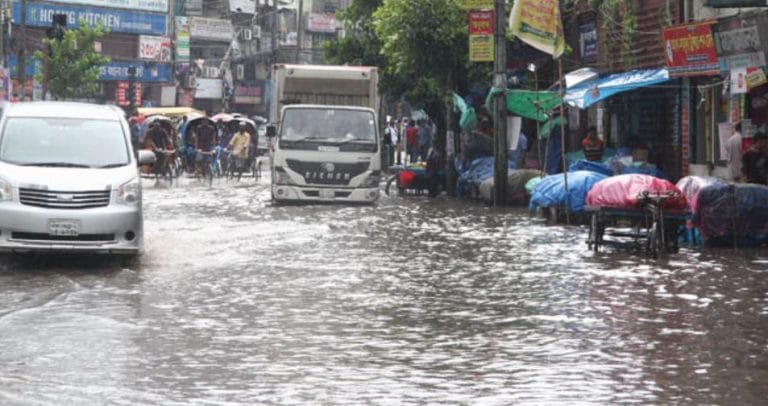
(275, 23)
(500, 107)
(21, 66)
(299, 31)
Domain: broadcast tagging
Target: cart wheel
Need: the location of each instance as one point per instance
(654, 244)
(389, 182)
(594, 233)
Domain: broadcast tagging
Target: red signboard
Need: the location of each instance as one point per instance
(481, 22)
(121, 93)
(689, 50)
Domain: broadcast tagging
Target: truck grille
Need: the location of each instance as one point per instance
(326, 173)
(64, 200)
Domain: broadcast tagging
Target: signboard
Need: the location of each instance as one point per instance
(475, 4)
(132, 22)
(158, 6)
(588, 38)
(689, 50)
(481, 22)
(242, 6)
(248, 93)
(182, 40)
(741, 40)
(121, 93)
(322, 22)
(481, 48)
(739, 81)
(755, 77)
(208, 89)
(538, 24)
(145, 72)
(155, 48)
(210, 28)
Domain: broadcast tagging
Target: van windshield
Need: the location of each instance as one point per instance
(332, 125)
(37, 141)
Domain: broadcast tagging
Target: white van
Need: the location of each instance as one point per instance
(69, 180)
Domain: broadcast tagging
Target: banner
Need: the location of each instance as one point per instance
(155, 48)
(158, 6)
(132, 22)
(210, 28)
(755, 77)
(689, 50)
(182, 40)
(481, 22)
(322, 22)
(475, 4)
(248, 92)
(588, 38)
(538, 24)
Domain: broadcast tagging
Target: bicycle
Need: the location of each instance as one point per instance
(207, 162)
(167, 168)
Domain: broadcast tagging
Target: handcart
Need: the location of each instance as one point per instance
(413, 180)
(648, 227)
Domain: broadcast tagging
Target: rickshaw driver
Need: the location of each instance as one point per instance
(157, 141)
(240, 145)
(205, 142)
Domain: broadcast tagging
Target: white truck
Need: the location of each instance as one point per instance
(325, 134)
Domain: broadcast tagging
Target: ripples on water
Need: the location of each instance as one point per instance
(412, 301)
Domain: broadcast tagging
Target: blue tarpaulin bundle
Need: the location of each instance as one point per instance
(475, 173)
(723, 208)
(551, 190)
(592, 166)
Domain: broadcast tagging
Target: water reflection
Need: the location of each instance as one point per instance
(412, 301)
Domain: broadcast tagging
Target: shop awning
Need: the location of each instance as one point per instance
(524, 103)
(588, 93)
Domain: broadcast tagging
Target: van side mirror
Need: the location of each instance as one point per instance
(271, 131)
(146, 157)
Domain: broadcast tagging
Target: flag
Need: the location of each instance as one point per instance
(538, 24)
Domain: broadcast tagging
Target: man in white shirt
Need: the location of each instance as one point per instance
(390, 141)
(733, 153)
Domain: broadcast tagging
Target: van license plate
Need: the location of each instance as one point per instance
(327, 194)
(64, 228)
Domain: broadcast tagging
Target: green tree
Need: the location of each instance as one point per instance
(425, 43)
(73, 63)
(361, 45)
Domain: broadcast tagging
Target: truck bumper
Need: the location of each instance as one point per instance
(282, 193)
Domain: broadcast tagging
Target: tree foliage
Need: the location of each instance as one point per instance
(361, 45)
(73, 63)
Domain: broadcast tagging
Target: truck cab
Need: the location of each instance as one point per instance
(326, 141)
(326, 154)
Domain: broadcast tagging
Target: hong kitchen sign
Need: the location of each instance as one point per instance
(126, 21)
(155, 48)
(689, 50)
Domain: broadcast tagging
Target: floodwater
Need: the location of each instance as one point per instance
(411, 301)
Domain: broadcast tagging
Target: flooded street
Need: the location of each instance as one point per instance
(411, 301)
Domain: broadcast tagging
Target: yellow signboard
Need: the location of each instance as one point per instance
(475, 4)
(481, 48)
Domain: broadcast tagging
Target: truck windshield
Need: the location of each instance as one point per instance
(65, 142)
(329, 125)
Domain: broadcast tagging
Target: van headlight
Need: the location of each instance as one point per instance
(129, 193)
(6, 191)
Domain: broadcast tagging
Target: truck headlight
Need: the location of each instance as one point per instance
(280, 177)
(6, 191)
(129, 193)
(372, 180)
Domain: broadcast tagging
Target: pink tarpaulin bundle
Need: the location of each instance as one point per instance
(624, 191)
(692, 185)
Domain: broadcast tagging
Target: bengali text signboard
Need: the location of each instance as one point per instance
(132, 22)
(689, 50)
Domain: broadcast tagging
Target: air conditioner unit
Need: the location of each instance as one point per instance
(246, 34)
(190, 82)
(256, 31)
(211, 72)
(240, 71)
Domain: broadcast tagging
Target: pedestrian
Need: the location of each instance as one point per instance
(412, 142)
(388, 143)
(240, 145)
(593, 146)
(401, 126)
(733, 153)
(755, 160)
(435, 159)
(425, 138)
